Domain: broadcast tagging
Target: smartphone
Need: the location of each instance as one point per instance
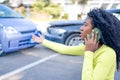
(96, 30)
(37, 33)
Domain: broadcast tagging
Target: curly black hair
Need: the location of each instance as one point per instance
(109, 26)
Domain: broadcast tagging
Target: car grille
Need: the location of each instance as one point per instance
(24, 42)
(26, 32)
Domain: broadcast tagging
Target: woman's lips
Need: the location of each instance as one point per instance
(81, 35)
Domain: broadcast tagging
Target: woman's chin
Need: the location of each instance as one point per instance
(82, 38)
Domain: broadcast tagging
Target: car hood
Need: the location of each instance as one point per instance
(20, 24)
(66, 22)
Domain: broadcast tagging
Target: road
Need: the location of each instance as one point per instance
(40, 63)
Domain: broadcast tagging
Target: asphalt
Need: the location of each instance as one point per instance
(40, 63)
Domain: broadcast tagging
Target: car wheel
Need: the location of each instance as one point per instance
(32, 46)
(73, 40)
(1, 51)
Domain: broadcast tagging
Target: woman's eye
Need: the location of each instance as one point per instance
(85, 25)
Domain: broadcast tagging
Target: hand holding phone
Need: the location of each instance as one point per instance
(92, 40)
(37, 37)
(96, 30)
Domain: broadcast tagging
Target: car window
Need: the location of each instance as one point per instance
(6, 12)
(117, 15)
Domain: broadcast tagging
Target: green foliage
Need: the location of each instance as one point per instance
(37, 7)
(45, 2)
(65, 16)
(47, 8)
(53, 10)
(81, 2)
(73, 1)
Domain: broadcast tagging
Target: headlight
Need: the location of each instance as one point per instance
(10, 30)
(56, 31)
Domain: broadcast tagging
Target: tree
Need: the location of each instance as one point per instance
(46, 2)
(81, 2)
(46, 7)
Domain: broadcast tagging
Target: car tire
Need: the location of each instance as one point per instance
(73, 40)
(1, 51)
(32, 46)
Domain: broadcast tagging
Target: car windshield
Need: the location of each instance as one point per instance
(6, 12)
(117, 15)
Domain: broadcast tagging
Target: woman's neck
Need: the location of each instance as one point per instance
(99, 45)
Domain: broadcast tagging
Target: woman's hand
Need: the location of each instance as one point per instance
(38, 39)
(91, 44)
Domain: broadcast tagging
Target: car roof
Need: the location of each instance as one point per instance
(67, 22)
(114, 10)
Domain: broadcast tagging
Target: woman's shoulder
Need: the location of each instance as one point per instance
(107, 51)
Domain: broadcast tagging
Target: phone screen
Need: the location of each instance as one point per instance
(96, 30)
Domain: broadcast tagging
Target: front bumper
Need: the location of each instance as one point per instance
(16, 42)
(55, 38)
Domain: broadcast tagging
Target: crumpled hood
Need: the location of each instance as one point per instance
(19, 24)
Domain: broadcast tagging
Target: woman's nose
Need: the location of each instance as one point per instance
(81, 28)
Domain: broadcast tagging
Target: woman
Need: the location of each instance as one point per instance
(101, 57)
